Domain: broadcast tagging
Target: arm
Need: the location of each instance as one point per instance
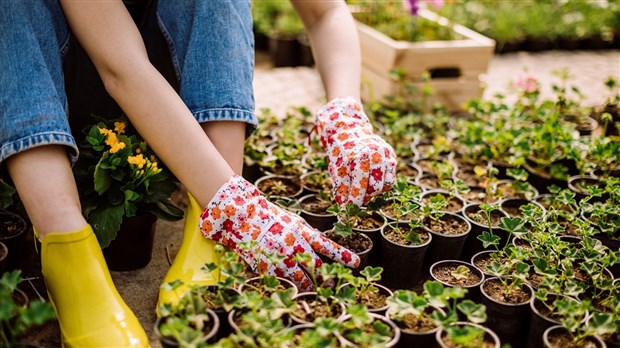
(335, 45)
(112, 41)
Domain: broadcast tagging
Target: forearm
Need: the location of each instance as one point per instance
(112, 41)
(335, 45)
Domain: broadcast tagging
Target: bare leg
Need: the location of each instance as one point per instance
(228, 138)
(43, 178)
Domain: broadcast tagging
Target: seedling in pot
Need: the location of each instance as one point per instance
(365, 330)
(401, 199)
(455, 187)
(579, 325)
(363, 289)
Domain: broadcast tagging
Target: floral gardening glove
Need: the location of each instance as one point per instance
(238, 213)
(361, 163)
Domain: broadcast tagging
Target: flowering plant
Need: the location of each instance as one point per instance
(400, 21)
(119, 176)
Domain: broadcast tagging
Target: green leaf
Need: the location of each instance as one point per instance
(101, 178)
(106, 221)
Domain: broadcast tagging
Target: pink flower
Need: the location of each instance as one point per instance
(527, 84)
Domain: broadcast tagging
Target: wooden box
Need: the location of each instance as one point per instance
(464, 61)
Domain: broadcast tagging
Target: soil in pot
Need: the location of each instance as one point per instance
(316, 181)
(279, 186)
(541, 319)
(358, 243)
(558, 337)
(449, 235)
(314, 211)
(479, 224)
(458, 273)
(310, 307)
(508, 189)
(256, 284)
(490, 339)
(416, 331)
(210, 330)
(371, 226)
(13, 233)
(402, 259)
(508, 310)
(429, 182)
(454, 205)
(375, 299)
(388, 211)
(470, 178)
(352, 335)
(478, 195)
(408, 169)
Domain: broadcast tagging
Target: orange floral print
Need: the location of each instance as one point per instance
(215, 212)
(230, 210)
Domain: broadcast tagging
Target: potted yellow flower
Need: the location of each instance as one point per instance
(122, 185)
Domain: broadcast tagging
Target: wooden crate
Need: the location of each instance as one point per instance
(468, 58)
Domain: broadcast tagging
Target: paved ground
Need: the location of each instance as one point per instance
(281, 88)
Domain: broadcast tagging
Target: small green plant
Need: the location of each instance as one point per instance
(16, 318)
(365, 330)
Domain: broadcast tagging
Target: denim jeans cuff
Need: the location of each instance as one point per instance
(40, 139)
(228, 114)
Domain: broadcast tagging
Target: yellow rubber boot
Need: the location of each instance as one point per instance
(194, 253)
(90, 311)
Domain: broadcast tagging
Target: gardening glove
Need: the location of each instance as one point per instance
(238, 213)
(361, 164)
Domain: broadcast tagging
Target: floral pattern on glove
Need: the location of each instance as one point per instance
(239, 214)
(361, 164)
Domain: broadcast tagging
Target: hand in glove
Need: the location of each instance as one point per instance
(361, 164)
(238, 213)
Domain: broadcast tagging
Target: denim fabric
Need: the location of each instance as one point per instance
(211, 46)
(33, 104)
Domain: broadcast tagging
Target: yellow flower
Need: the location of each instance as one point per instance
(104, 131)
(137, 160)
(120, 127)
(115, 147)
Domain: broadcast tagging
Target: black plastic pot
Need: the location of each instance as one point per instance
(374, 256)
(472, 244)
(168, 342)
(539, 323)
(363, 254)
(321, 222)
(560, 330)
(509, 321)
(383, 290)
(306, 58)
(284, 51)
(444, 246)
(409, 339)
(612, 244)
(481, 255)
(458, 200)
(580, 193)
(222, 314)
(305, 296)
(13, 239)
(541, 181)
(473, 291)
(4, 253)
(489, 334)
(133, 246)
(309, 189)
(402, 264)
(291, 182)
(375, 316)
(509, 204)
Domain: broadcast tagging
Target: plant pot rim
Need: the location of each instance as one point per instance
(528, 201)
(358, 234)
(599, 342)
(22, 222)
(375, 214)
(428, 241)
(411, 332)
(315, 295)
(525, 284)
(459, 262)
(385, 319)
(477, 223)
(214, 329)
(537, 312)
(570, 182)
(453, 214)
(488, 331)
(381, 288)
(277, 176)
(308, 196)
(281, 279)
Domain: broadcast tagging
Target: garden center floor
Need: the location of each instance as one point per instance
(281, 88)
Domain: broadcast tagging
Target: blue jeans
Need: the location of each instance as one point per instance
(209, 44)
